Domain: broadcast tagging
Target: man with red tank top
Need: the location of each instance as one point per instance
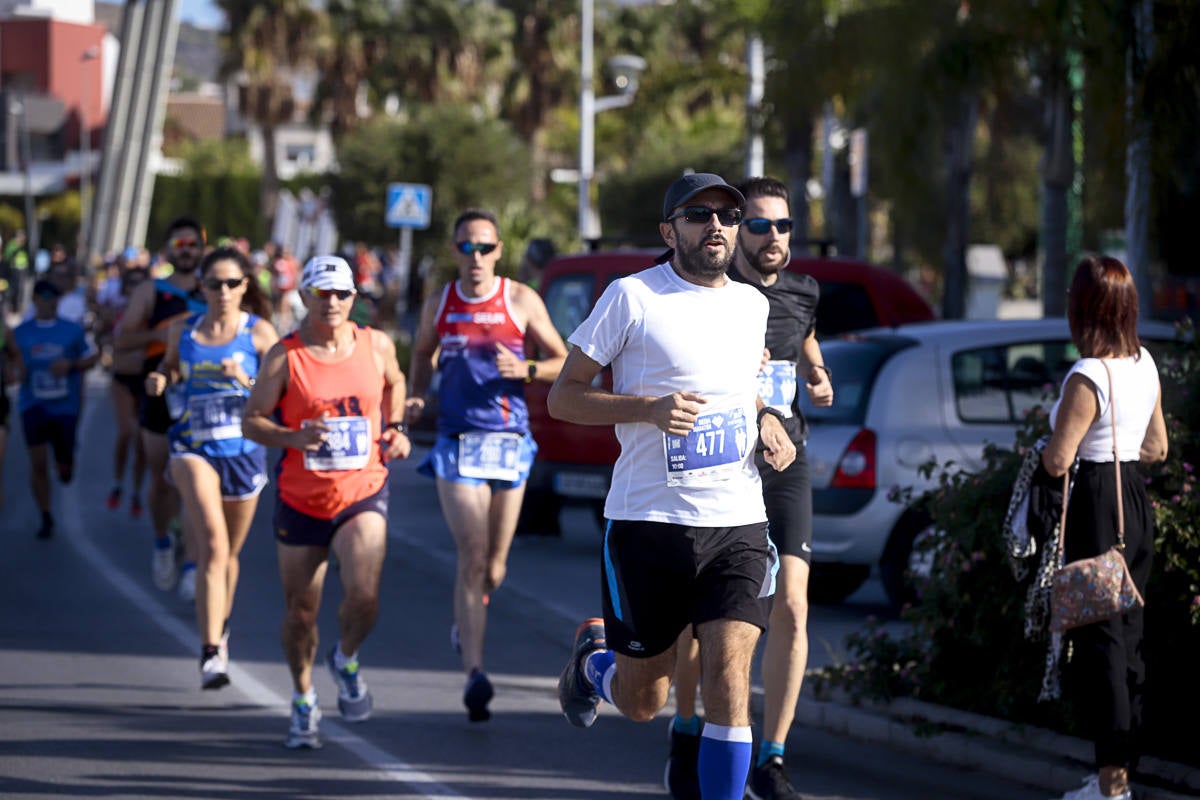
(478, 325)
(331, 396)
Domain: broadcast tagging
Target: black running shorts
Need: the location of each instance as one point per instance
(788, 497)
(659, 577)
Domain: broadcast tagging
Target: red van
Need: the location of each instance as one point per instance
(574, 462)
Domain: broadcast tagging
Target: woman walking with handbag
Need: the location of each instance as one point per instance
(1107, 667)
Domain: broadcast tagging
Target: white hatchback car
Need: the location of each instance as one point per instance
(906, 395)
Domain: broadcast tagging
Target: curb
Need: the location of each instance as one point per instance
(1034, 756)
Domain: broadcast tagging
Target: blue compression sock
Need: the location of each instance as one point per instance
(724, 761)
(766, 750)
(690, 726)
(599, 668)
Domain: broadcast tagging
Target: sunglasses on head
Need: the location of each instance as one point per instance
(325, 294)
(760, 225)
(698, 215)
(182, 241)
(215, 284)
(470, 248)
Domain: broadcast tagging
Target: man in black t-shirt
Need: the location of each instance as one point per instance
(793, 356)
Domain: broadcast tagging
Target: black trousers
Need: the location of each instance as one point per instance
(1107, 673)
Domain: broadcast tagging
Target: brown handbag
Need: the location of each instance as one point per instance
(1094, 589)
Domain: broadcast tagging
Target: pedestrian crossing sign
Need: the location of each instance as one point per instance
(408, 205)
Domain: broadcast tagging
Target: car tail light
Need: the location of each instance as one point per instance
(856, 467)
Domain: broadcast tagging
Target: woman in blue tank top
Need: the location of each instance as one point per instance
(214, 358)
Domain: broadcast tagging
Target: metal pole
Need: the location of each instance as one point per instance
(755, 64)
(587, 121)
(32, 228)
(83, 252)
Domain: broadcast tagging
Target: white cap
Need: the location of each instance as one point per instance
(327, 272)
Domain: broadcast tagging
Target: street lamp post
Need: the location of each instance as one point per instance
(626, 70)
(85, 170)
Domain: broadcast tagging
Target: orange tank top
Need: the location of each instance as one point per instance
(349, 466)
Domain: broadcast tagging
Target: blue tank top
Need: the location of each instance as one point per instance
(211, 422)
(42, 342)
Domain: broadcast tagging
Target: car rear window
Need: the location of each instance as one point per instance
(569, 300)
(1000, 383)
(854, 364)
(843, 307)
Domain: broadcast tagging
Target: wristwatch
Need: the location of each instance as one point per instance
(828, 372)
(765, 410)
(398, 426)
(532, 371)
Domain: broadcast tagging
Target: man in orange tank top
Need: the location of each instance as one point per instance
(338, 394)
(479, 325)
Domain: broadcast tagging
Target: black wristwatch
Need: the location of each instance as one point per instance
(828, 372)
(765, 410)
(398, 426)
(532, 371)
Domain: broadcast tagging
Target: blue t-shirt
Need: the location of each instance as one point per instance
(42, 342)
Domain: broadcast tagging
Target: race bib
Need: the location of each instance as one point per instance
(490, 455)
(777, 385)
(712, 451)
(213, 417)
(347, 445)
(48, 386)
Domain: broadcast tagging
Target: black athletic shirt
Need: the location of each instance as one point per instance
(792, 317)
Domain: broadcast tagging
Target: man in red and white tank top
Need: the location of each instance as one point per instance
(339, 395)
(479, 326)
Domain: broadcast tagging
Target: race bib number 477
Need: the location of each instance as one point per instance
(711, 452)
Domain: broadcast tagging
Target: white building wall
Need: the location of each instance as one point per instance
(82, 12)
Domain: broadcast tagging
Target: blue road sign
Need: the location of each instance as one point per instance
(408, 205)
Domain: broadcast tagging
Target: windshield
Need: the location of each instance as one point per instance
(854, 364)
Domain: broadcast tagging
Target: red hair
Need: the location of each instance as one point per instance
(1102, 308)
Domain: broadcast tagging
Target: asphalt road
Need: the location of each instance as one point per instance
(99, 681)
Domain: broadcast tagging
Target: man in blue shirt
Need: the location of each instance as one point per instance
(55, 354)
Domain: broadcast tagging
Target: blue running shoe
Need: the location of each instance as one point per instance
(303, 734)
(354, 700)
(476, 697)
(576, 696)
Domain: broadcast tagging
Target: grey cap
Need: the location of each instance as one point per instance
(689, 186)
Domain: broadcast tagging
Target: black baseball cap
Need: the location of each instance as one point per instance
(689, 186)
(44, 288)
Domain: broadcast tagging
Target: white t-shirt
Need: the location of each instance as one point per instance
(662, 334)
(1136, 385)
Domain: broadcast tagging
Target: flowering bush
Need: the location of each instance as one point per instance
(966, 646)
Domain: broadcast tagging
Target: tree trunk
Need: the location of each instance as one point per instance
(1137, 156)
(1058, 169)
(959, 147)
(269, 189)
(797, 159)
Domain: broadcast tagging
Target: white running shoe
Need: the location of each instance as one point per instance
(303, 733)
(1091, 791)
(163, 567)
(187, 584)
(214, 672)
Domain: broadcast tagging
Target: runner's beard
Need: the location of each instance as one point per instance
(702, 263)
(755, 259)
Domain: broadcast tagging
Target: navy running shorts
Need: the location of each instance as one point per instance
(57, 430)
(294, 527)
(242, 476)
(788, 497)
(657, 578)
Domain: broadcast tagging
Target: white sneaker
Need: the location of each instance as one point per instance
(214, 672)
(187, 584)
(303, 731)
(163, 567)
(1091, 791)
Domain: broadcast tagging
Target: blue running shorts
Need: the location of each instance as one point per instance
(242, 476)
(442, 462)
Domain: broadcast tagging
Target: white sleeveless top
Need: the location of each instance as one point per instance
(1136, 384)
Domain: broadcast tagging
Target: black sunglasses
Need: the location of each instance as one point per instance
(698, 215)
(325, 294)
(215, 284)
(760, 225)
(470, 248)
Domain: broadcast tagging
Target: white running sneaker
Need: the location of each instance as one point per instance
(214, 672)
(163, 567)
(1091, 791)
(303, 733)
(187, 584)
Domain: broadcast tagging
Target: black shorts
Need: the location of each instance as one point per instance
(788, 497)
(135, 383)
(57, 430)
(294, 527)
(152, 414)
(5, 409)
(659, 577)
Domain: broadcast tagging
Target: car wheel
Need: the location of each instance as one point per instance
(833, 583)
(905, 565)
(539, 514)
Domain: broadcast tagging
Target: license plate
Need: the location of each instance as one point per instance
(581, 484)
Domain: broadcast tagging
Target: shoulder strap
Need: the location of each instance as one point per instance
(1112, 413)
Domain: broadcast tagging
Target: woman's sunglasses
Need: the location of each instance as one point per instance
(760, 225)
(470, 248)
(698, 215)
(215, 284)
